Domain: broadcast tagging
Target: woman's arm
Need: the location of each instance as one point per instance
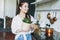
(18, 31)
(34, 26)
(17, 26)
(33, 23)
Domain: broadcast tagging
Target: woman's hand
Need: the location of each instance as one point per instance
(34, 26)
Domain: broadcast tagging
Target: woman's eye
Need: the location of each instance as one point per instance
(26, 7)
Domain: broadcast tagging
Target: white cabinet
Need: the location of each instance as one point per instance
(7, 8)
(10, 8)
(1, 8)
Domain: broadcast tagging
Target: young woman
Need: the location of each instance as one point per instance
(22, 30)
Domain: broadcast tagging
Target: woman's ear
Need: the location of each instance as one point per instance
(20, 7)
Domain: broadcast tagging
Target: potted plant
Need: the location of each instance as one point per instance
(27, 20)
(26, 24)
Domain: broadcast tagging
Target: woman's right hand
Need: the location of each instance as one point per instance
(34, 26)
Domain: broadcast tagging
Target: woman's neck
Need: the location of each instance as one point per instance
(22, 15)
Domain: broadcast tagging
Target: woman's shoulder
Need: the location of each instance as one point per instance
(31, 17)
(16, 18)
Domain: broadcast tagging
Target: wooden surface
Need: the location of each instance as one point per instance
(6, 36)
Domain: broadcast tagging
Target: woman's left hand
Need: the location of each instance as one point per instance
(34, 26)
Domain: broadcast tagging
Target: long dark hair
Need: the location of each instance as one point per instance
(27, 15)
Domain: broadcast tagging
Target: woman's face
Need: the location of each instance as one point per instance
(24, 8)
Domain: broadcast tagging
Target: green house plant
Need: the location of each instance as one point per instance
(26, 24)
(27, 20)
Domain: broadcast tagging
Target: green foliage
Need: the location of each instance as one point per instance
(27, 20)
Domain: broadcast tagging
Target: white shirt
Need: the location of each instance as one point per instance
(17, 23)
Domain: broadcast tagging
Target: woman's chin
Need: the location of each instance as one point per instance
(25, 12)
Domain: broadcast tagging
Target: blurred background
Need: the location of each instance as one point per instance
(37, 8)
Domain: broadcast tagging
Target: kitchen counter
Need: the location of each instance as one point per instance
(56, 36)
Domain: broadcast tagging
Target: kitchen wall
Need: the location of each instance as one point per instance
(53, 5)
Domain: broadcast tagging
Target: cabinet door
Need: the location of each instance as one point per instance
(1, 14)
(1, 8)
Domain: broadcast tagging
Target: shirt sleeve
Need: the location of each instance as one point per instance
(33, 20)
(15, 25)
